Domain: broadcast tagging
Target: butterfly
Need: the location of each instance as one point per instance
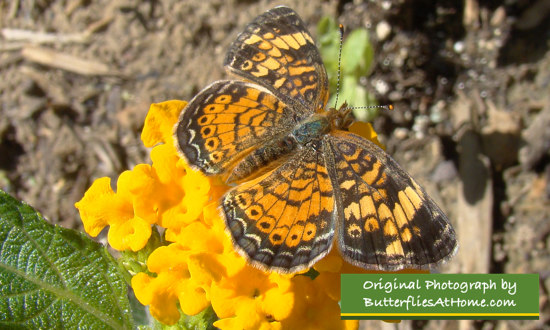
(302, 181)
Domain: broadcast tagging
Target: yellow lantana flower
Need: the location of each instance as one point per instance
(197, 266)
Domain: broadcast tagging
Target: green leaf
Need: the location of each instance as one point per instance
(347, 92)
(136, 262)
(329, 45)
(362, 96)
(356, 95)
(357, 53)
(202, 321)
(357, 57)
(52, 277)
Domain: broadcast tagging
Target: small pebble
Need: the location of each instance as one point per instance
(383, 30)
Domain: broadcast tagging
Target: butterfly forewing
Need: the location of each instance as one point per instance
(277, 52)
(227, 119)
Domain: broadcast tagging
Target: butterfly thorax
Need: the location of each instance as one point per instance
(311, 129)
(320, 123)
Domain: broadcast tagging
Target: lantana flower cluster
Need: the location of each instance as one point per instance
(196, 266)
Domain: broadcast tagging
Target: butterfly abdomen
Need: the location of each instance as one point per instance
(311, 129)
(261, 158)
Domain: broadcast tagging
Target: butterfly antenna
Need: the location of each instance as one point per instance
(385, 106)
(339, 61)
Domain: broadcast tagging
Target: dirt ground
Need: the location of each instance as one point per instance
(469, 80)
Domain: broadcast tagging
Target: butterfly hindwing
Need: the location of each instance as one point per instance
(388, 222)
(283, 220)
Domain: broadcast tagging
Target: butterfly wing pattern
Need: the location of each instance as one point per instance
(277, 51)
(285, 218)
(303, 181)
(225, 120)
(388, 220)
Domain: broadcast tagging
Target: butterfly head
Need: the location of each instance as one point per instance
(340, 118)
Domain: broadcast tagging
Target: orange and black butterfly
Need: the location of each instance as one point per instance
(302, 179)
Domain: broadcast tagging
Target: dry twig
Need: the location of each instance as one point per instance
(66, 62)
